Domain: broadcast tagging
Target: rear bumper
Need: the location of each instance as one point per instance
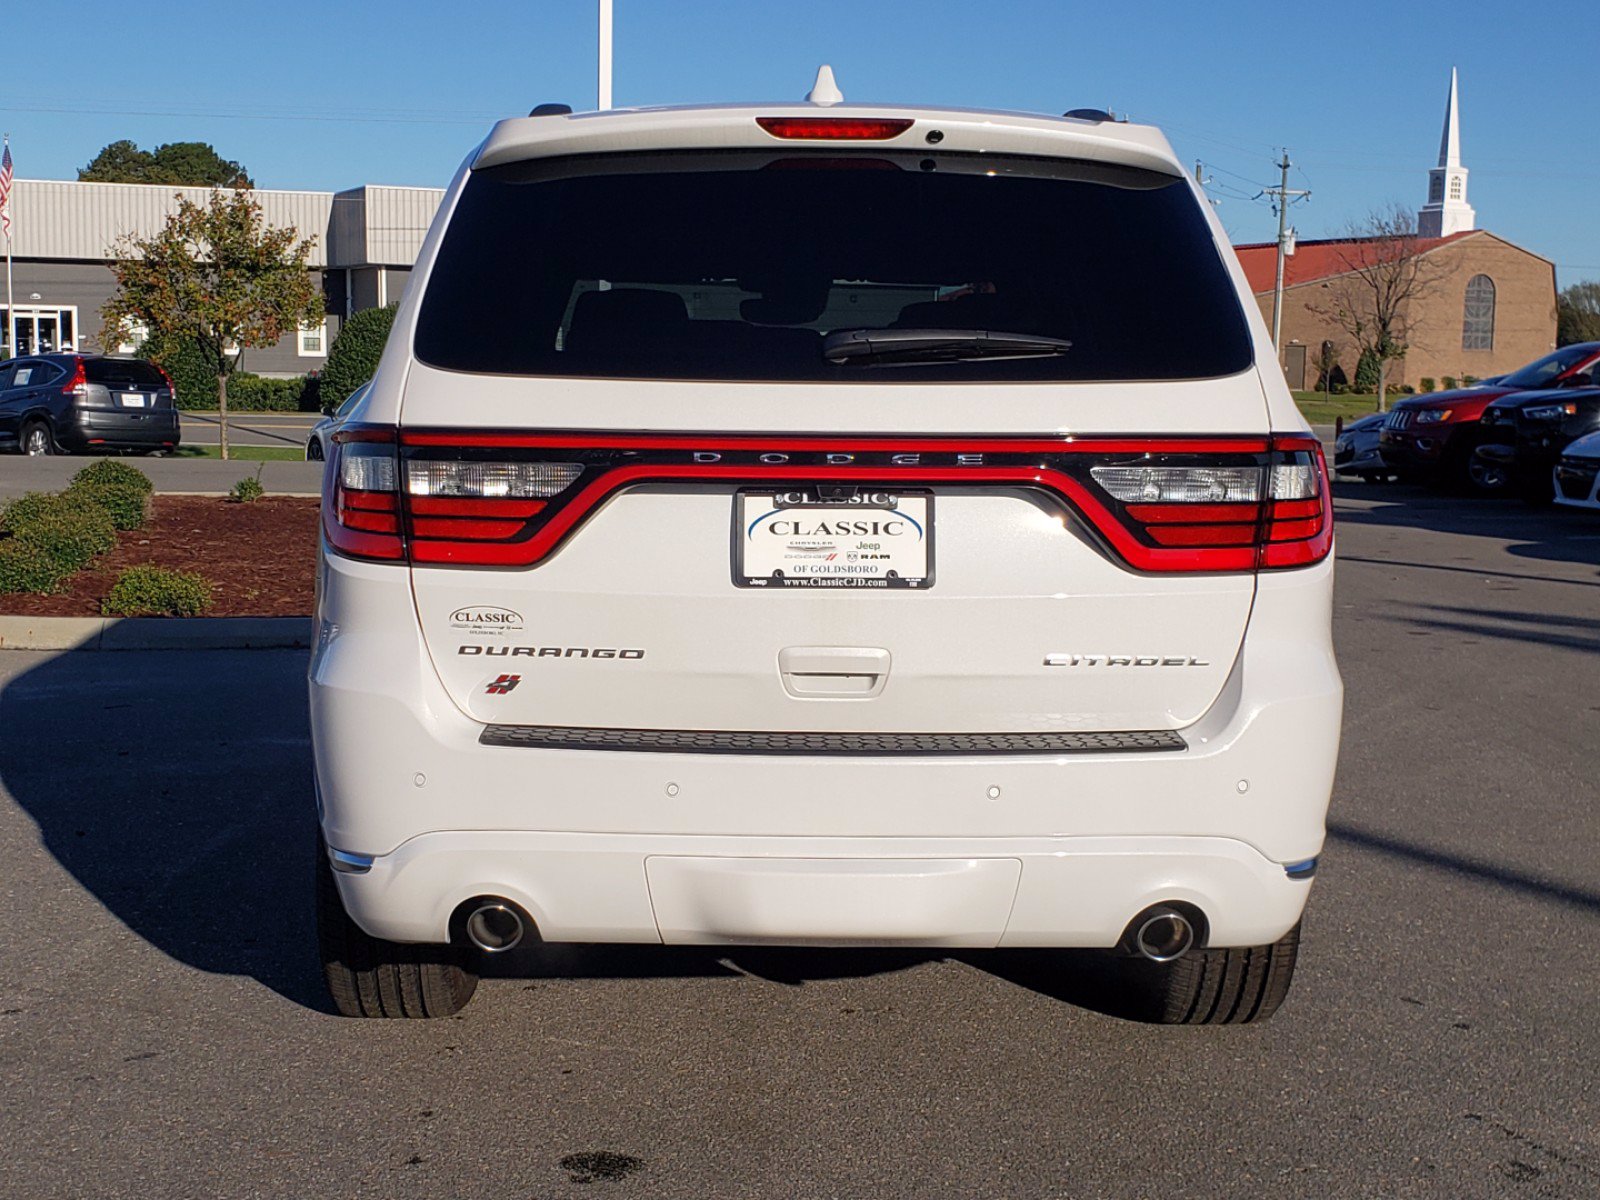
(115, 429)
(993, 849)
(974, 892)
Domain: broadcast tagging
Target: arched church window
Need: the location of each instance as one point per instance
(1477, 322)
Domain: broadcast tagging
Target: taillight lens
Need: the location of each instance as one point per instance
(361, 497)
(466, 510)
(171, 387)
(78, 385)
(835, 129)
(1274, 512)
(483, 497)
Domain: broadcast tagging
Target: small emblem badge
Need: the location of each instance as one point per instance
(502, 684)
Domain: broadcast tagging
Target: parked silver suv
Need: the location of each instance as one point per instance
(829, 526)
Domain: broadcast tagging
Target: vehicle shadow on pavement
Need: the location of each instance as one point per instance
(175, 788)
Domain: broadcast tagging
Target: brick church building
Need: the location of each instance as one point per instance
(1486, 307)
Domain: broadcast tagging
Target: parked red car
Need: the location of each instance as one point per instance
(1432, 437)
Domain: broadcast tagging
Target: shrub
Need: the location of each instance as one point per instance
(157, 592)
(255, 393)
(1366, 379)
(1449, 383)
(70, 528)
(1426, 383)
(127, 506)
(25, 567)
(353, 357)
(1407, 390)
(1468, 380)
(183, 360)
(248, 490)
(109, 470)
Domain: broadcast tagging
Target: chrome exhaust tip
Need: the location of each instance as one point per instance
(494, 927)
(1163, 934)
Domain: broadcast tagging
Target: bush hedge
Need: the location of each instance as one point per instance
(353, 357)
(127, 506)
(25, 567)
(255, 393)
(1366, 379)
(109, 470)
(71, 528)
(1427, 383)
(157, 592)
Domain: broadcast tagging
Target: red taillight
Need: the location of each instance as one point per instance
(171, 387)
(488, 497)
(78, 384)
(360, 495)
(1228, 515)
(835, 129)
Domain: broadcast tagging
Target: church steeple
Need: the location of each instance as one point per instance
(1447, 210)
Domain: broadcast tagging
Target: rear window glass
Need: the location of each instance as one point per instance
(124, 373)
(736, 265)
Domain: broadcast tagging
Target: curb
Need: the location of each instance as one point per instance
(155, 633)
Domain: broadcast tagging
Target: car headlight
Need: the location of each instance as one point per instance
(1341, 445)
(1550, 412)
(1432, 416)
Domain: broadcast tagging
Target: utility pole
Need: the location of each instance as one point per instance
(1283, 195)
(605, 55)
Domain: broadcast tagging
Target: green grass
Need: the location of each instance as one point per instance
(1324, 412)
(244, 453)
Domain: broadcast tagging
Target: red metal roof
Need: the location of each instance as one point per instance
(1315, 260)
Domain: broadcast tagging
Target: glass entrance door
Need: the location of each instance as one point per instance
(39, 331)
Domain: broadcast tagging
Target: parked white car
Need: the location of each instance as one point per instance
(321, 435)
(1577, 474)
(824, 525)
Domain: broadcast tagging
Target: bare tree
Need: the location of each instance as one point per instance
(1385, 272)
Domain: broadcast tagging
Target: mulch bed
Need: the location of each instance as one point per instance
(262, 557)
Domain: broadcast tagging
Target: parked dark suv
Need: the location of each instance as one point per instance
(66, 403)
(1525, 433)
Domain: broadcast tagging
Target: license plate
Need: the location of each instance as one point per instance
(836, 538)
(131, 399)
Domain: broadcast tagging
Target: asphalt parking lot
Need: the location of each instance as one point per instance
(163, 1030)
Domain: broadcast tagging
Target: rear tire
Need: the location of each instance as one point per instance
(1222, 986)
(370, 977)
(37, 440)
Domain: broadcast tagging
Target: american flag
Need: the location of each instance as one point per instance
(5, 191)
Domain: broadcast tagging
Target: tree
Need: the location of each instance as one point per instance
(191, 164)
(1578, 314)
(218, 275)
(1385, 271)
(353, 357)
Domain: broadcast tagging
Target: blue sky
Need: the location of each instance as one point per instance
(352, 91)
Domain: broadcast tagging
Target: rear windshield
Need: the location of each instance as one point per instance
(124, 373)
(736, 265)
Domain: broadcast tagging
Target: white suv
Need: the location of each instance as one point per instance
(824, 525)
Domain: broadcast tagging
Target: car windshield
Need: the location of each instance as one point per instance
(1543, 372)
(739, 264)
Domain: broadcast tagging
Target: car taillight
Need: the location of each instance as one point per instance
(835, 129)
(1271, 513)
(1159, 504)
(460, 507)
(361, 496)
(78, 385)
(171, 387)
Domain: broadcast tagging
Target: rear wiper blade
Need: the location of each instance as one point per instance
(894, 347)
